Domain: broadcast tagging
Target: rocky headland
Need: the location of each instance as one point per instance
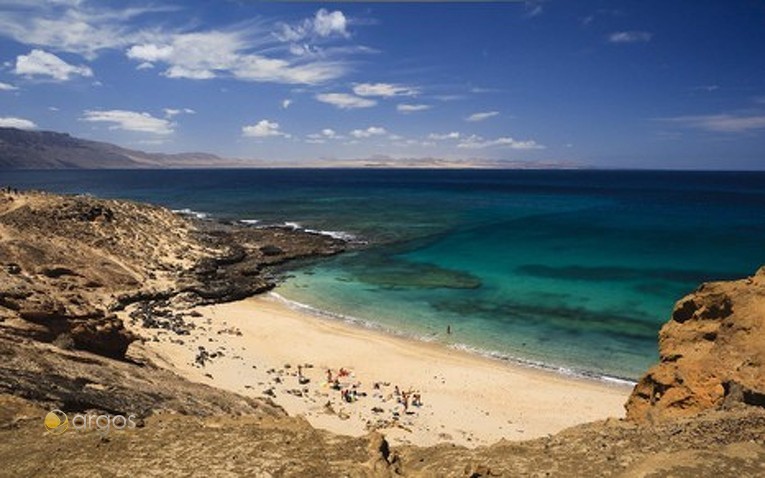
(73, 267)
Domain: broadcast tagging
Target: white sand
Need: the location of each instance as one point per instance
(467, 399)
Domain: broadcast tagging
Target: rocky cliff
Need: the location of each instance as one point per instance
(712, 354)
(68, 263)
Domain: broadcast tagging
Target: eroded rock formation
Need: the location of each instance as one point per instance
(712, 354)
(68, 262)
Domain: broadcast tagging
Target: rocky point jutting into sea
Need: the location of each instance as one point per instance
(72, 264)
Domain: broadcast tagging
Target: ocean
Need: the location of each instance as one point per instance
(574, 271)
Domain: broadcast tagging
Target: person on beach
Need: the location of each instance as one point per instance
(416, 400)
(449, 329)
(329, 375)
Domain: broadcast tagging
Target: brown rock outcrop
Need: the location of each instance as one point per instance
(712, 354)
(68, 262)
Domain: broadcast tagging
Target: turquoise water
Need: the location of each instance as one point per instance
(574, 270)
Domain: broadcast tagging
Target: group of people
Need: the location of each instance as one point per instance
(351, 393)
(403, 398)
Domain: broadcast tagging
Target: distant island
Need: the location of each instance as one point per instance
(27, 149)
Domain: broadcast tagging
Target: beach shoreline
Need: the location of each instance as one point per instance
(254, 347)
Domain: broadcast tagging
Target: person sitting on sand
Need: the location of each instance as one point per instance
(416, 400)
(343, 372)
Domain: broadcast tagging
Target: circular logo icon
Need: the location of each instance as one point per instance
(56, 422)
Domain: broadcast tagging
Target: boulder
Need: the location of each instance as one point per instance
(712, 354)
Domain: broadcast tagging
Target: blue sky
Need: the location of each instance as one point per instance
(637, 84)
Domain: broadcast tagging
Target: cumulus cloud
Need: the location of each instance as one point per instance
(323, 24)
(130, 121)
(263, 129)
(345, 101)
(42, 63)
(246, 51)
(206, 55)
(384, 90)
(369, 132)
(171, 112)
(411, 108)
(630, 37)
(13, 122)
(7, 87)
(477, 142)
(481, 116)
(721, 123)
(443, 136)
(325, 134)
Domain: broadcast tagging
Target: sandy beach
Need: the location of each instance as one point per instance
(262, 347)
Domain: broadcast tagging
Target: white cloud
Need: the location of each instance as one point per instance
(237, 51)
(211, 54)
(328, 133)
(150, 52)
(721, 123)
(7, 87)
(369, 132)
(257, 68)
(477, 142)
(171, 112)
(263, 129)
(630, 37)
(330, 23)
(442, 136)
(345, 101)
(481, 116)
(41, 63)
(73, 28)
(129, 121)
(13, 122)
(384, 90)
(323, 24)
(411, 108)
(286, 103)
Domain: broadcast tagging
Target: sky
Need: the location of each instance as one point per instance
(608, 84)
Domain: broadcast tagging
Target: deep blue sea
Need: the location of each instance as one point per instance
(574, 270)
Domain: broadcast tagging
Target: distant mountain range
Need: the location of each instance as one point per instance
(24, 149)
